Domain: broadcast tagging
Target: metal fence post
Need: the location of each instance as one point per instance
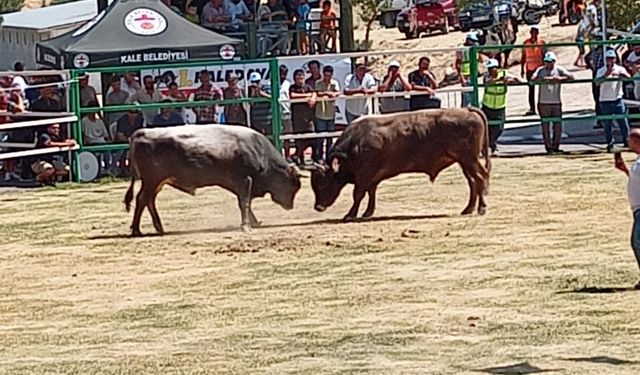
(473, 62)
(77, 127)
(276, 121)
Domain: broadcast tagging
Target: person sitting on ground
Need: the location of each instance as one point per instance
(167, 117)
(46, 167)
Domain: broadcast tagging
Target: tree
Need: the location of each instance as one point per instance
(369, 12)
(7, 6)
(622, 14)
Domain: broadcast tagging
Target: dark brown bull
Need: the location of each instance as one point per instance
(378, 147)
(235, 158)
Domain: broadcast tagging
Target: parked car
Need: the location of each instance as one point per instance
(427, 16)
(484, 15)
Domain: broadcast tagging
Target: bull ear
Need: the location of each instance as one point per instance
(335, 165)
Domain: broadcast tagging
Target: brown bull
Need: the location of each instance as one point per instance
(378, 147)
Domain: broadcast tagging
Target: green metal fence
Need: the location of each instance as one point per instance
(475, 79)
(79, 110)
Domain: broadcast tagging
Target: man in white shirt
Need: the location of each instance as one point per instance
(285, 107)
(590, 20)
(610, 100)
(359, 83)
(633, 191)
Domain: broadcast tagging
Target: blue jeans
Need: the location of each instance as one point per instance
(351, 117)
(615, 107)
(323, 126)
(635, 236)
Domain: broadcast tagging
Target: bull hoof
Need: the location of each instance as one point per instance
(482, 210)
(256, 224)
(349, 219)
(136, 233)
(246, 228)
(367, 214)
(467, 211)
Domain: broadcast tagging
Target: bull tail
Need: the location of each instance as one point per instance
(129, 196)
(486, 147)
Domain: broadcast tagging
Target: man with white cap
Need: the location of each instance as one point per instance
(532, 59)
(494, 101)
(610, 100)
(463, 65)
(393, 82)
(549, 100)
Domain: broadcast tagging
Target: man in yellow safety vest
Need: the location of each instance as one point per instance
(463, 66)
(494, 101)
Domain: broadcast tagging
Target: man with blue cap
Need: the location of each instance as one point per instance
(463, 65)
(494, 101)
(550, 75)
(610, 100)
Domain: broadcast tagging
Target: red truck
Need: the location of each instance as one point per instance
(426, 16)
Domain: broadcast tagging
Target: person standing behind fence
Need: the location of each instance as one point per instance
(302, 114)
(260, 114)
(463, 66)
(117, 96)
(423, 80)
(550, 101)
(532, 59)
(611, 97)
(327, 88)
(394, 82)
(147, 95)
(633, 191)
(234, 114)
(359, 83)
(285, 107)
(494, 101)
(87, 92)
(303, 26)
(206, 92)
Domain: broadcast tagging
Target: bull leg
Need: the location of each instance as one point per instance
(371, 206)
(358, 194)
(141, 203)
(480, 186)
(244, 200)
(151, 205)
(473, 191)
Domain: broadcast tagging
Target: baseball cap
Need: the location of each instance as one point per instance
(362, 66)
(394, 63)
(255, 77)
(549, 57)
(232, 76)
(491, 63)
(472, 36)
(610, 54)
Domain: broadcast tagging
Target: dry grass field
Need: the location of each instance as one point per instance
(416, 290)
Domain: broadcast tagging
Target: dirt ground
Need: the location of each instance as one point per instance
(416, 290)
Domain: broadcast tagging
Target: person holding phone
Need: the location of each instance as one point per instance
(633, 190)
(609, 78)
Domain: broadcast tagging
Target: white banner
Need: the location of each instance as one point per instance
(188, 78)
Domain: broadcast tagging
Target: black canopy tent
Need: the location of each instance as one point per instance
(136, 32)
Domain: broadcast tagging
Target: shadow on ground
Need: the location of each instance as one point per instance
(517, 369)
(602, 359)
(598, 290)
(228, 229)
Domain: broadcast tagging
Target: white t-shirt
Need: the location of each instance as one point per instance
(284, 95)
(359, 106)
(611, 90)
(590, 13)
(18, 80)
(633, 186)
(94, 131)
(633, 58)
